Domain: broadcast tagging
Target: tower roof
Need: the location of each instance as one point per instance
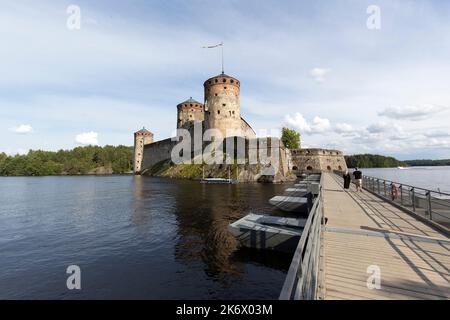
(190, 103)
(143, 130)
(190, 100)
(215, 79)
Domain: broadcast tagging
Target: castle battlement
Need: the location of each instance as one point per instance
(317, 152)
(318, 160)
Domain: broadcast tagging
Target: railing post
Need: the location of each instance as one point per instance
(401, 195)
(429, 205)
(378, 183)
(384, 187)
(413, 199)
(391, 194)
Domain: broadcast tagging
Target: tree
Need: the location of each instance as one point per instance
(80, 160)
(290, 138)
(371, 161)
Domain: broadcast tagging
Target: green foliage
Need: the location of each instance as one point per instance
(167, 169)
(80, 160)
(377, 161)
(415, 163)
(159, 168)
(189, 171)
(290, 138)
(372, 161)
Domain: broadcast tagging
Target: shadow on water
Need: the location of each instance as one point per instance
(203, 213)
(272, 259)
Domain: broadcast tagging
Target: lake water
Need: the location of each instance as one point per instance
(423, 177)
(142, 237)
(133, 238)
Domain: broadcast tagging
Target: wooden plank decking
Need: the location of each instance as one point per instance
(362, 231)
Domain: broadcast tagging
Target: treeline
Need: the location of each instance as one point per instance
(372, 161)
(81, 160)
(416, 163)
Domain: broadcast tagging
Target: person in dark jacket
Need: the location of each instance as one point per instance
(358, 179)
(347, 180)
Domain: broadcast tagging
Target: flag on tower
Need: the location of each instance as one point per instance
(216, 46)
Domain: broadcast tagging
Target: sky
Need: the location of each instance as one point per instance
(346, 77)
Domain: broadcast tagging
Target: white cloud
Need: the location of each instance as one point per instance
(437, 133)
(87, 138)
(319, 74)
(320, 125)
(298, 122)
(23, 129)
(343, 128)
(380, 127)
(391, 131)
(443, 143)
(413, 113)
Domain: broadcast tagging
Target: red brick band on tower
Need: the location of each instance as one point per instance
(222, 104)
(189, 112)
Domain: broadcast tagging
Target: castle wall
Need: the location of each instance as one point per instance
(157, 152)
(318, 160)
(247, 130)
(256, 150)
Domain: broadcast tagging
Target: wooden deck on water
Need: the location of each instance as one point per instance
(364, 230)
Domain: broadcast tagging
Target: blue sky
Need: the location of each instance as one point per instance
(310, 65)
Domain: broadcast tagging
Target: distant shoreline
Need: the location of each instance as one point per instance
(68, 175)
(379, 161)
(400, 167)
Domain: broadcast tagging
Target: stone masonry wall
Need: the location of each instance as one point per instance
(157, 152)
(161, 150)
(318, 160)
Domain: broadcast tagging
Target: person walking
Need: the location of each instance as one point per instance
(357, 174)
(347, 180)
(394, 192)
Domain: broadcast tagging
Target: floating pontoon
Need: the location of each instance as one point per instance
(292, 204)
(217, 181)
(268, 232)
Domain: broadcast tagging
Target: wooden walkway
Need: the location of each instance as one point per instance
(363, 231)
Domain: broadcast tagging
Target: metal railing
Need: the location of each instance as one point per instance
(302, 279)
(432, 205)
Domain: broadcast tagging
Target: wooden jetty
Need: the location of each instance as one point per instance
(268, 232)
(361, 246)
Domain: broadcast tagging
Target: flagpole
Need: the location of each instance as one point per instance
(223, 59)
(223, 69)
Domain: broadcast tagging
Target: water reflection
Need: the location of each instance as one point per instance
(203, 213)
(134, 237)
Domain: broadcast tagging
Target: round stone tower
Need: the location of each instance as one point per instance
(222, 104)
(188, 112)
(141, 138)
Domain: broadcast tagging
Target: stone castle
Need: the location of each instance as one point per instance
(221, 111)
